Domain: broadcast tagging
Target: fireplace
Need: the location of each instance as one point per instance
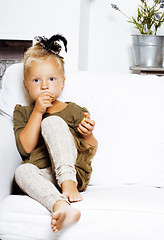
(11, 51)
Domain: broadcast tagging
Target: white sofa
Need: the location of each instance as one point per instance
(125, 198)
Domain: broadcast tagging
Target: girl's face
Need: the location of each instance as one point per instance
(44, 76)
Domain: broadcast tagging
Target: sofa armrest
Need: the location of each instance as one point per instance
(9, 156)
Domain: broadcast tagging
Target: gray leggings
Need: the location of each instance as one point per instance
(42, 184)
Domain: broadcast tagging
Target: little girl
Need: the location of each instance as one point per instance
(54, 138)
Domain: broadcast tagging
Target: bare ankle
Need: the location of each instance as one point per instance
(59, 204)
(67, 184)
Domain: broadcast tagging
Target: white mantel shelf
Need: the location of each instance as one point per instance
(148, 70)
(16, 36)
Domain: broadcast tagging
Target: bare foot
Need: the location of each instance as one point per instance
(69, 189)
(63, 215)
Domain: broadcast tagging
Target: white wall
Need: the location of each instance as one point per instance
(20, 19)
(110, 46)
(84, 34)
(99, 38)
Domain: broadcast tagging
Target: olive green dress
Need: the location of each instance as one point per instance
(72, 115)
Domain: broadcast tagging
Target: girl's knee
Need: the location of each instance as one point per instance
(24, 169)
(53, 121)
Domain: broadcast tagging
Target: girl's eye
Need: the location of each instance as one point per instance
(52, 79)
(36, 80)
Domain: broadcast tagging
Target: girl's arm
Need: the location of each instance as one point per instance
(30, 135)
(91, 140)
(85, 128)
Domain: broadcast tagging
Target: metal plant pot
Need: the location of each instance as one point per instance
(148, 50)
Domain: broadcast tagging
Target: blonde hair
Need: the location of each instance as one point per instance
(37, 53)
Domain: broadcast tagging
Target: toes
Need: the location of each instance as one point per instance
(66, 194)
(54, 226)
(57, 221)
(71, 198)
(54, 221)
(80, 197)
(54, 229)
(75, 198)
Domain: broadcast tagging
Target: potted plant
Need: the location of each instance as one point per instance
(148, 46)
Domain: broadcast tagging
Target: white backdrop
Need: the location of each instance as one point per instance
(110, 46)
(99, 38)
(25, 19)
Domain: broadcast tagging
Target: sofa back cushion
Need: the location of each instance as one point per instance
(12, 91)
(129, 114)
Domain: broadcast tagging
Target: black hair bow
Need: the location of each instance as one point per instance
(51, 44)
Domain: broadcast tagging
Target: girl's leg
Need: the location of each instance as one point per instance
(61, 147)
(37, 184)
(63, 154)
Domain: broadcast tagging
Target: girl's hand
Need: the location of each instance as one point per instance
(43, 101)
(86, 126)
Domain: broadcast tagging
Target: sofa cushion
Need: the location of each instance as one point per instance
(108, 212)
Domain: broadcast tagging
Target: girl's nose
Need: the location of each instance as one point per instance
(44, 85)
